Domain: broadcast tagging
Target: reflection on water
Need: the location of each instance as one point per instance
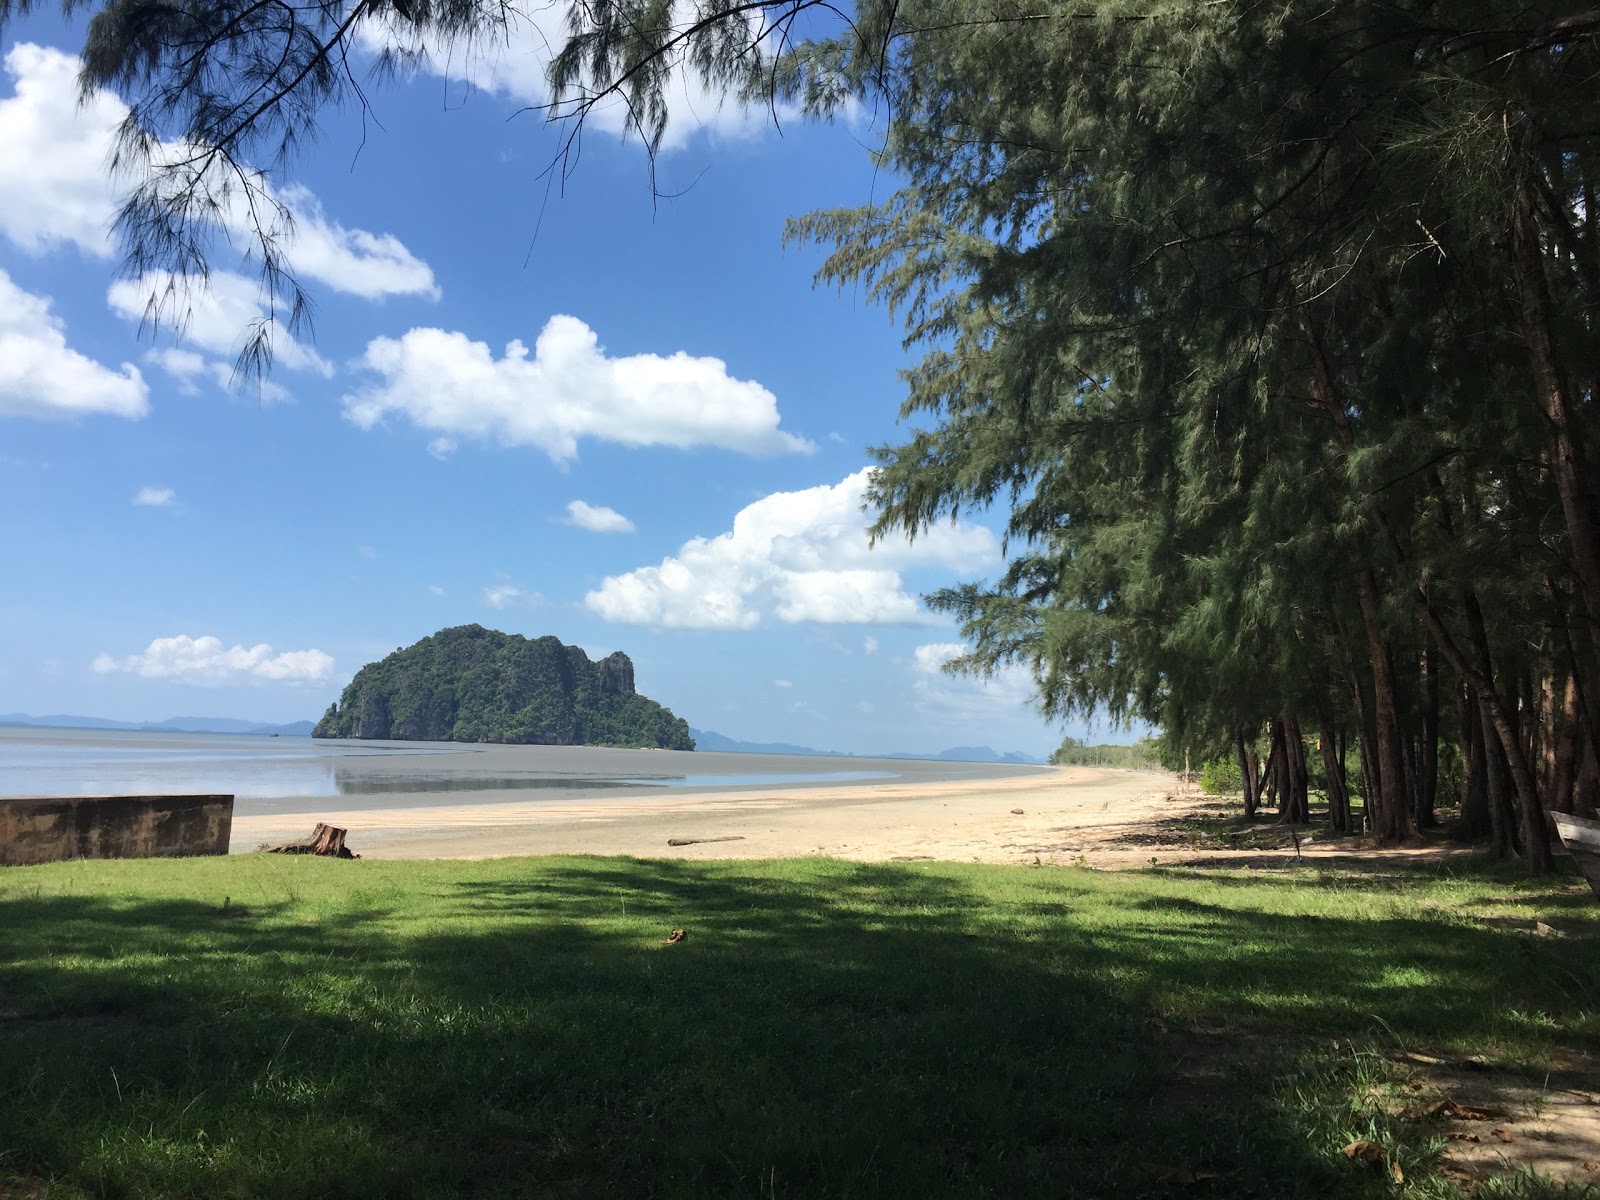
(353, 783)
(92, 763)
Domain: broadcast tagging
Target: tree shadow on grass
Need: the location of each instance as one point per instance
(519, 1028)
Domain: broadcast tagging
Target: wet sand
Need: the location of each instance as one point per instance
(1055, 813)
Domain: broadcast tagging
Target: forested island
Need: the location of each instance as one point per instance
(471, 684)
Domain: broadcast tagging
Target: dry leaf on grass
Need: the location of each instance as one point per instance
(1155, 1024)
(1504, 1134)
(1449, 1108)
(677, 935)
(1362, 1150)
(1399, 1175)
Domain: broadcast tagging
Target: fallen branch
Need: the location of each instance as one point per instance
(732, 837)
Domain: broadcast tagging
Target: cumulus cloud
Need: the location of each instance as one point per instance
(41, 376)
(55, 188)
(207, 662)
(155, 497)
(506, 594)
(447, 384)
(513, 64)
(215, 314)
(597, 518)
(869, 645)
(965, 697)
(795, 556)
(932, 657)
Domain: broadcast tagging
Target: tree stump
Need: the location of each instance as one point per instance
(325, 841)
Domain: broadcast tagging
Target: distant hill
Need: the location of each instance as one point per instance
(170, 725)
(706, 739)
(471, 684)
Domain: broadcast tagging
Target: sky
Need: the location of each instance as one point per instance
(629, 422)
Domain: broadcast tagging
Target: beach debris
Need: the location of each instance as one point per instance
(1016, 812)
(326, 841)
(673, 938)
(731, 837)
(1449, 1108)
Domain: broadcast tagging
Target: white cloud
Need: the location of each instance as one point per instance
(782, 683)
(964, 698)
(435, 590)
(869, 645)
(506, 594)
(155, 497)
(41, 376)
(56, 189)
(932, 656)
(795, 556)
(513, 64)
(442, 447)
(446, 383)
(217, 315)
(597, 518)
(206, 661)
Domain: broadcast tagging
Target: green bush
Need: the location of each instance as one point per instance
(1220, 776)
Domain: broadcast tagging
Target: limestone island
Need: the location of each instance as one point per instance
(471, 684)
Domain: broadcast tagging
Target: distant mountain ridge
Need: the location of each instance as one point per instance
(170, 725)
(471, 684)
(706, 739)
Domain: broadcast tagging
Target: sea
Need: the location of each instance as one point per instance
(300, 774)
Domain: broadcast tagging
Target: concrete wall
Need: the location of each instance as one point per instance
(40, 829)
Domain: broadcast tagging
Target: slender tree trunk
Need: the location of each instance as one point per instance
(1371, 799)
(1338, 798)
(1273, 771)
(1295, 808)
(1393, 823)
(1246, 777)
(1555, 398)
(1428, 764)
(1564, 767)
(1475, 824)
(1502, 718)
(1502, 819)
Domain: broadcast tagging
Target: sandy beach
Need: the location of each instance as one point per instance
(1055, 814)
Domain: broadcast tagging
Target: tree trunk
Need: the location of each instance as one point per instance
(1338, 798)
(1564, 768)
(1475, 824)
(1393, 824)
(1246, 775)
(1428, 764)
(1555, 397)
(1295, 806)
(1502, 818)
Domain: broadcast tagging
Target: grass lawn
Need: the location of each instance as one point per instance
(285, 1027)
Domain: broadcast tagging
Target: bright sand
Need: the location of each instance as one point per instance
(1058, 814)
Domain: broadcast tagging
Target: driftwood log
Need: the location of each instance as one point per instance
(325, 841)
(732, 837)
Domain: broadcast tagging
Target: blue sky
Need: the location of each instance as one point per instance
(630, 423)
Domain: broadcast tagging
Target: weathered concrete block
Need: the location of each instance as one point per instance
(41, 829)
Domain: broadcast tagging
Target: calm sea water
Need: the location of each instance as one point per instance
(287, 774)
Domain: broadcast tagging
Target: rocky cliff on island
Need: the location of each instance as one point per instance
(471, 684)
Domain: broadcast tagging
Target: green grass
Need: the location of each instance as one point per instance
(516, 1028)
